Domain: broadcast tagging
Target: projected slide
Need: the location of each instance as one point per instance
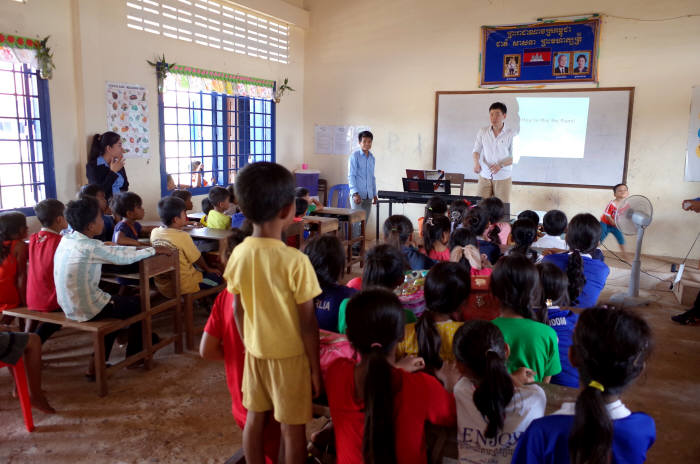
(551, 127)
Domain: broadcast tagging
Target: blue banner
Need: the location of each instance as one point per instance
(541, 52)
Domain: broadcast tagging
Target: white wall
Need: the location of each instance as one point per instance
(380, 63)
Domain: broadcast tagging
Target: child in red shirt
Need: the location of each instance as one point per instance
(13, 261)
(394, 404)
(41, 290)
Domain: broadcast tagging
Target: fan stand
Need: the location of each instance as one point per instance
(631, 298)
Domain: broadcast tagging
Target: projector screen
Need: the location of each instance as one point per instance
(573, 138)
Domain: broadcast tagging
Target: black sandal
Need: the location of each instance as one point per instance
(686, 318)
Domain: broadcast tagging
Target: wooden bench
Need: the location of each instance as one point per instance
(348, 217)
(190, 329)
(148, 268)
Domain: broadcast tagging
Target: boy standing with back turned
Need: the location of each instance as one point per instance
(274, 287)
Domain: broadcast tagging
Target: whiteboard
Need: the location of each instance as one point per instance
(459, 115)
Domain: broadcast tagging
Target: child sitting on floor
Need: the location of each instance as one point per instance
(172, 213)
(129, 207)
(610, 349)
(524, 234)
(607, 221)
(328, 259)
(379, 412)
(490, 403)
(436, 235)
(13, 261)
(435, 206)
(219, 200)
(554, 224)
(458, 211)
(41, 289)
(555, 299)
(95, 191)
(516, 284)
(446, 289)
(398, 232)
(498, 229)
(464, 249)
(476, 221)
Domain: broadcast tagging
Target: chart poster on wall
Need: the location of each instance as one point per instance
(127, 115)
(336, 140)
(692, 157)
(540, 52)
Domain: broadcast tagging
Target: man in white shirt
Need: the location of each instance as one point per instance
(493, 155)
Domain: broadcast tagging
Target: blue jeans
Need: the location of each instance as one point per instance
(608, 229)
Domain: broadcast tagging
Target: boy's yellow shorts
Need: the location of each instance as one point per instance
(281, 385)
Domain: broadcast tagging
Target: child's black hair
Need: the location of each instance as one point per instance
(498, 106)
(610, 347)
(182, 194)
(301, 206)
(524, 233)
(397, 230)
(375, 320)
(300, 192)
(82, 212)
(206, 205)
(125, 202)
(99, 145)
(170, 208)
(463, 237)
(477, 220)
(384, 267)
(231, 193)
(555, 285)
(554, 222)
(236, 238)
(531, 215)
(435, 206)
(618, 185)
(582, 237)
(327, 257)
(47, 211)
(217, 195)
(480, 346)
(11, 225)
(495, 209)
(91, 190)
(434, 229)
(516, 283)
(458, 211)
(263, 189)
(364, 134)
(447, 286)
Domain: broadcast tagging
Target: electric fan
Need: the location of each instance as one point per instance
(633, 216)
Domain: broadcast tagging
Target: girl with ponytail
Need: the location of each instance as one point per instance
(587, 276)
(398, 232)
(493, 408)
(105, 166)
(498, 230)
(533, 344)
(378, 410)
(524, 233)
(446, 288)
(436, 235)
(477, 220)
(610, 349)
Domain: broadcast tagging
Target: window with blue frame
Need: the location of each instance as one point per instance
(208, 136)
(26, 151)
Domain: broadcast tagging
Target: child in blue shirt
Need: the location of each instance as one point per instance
(477, 220)
(129, 207)
(610, 348)
(95, 191)
(398, 231)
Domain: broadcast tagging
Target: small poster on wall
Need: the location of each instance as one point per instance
(127, 115)
(692, 160)
(336, 140)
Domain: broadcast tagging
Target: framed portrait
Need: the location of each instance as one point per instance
(582, 62)
(511, 66)
(561, 65)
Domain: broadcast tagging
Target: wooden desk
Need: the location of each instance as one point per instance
(320, 225)
(195, 216)
(348, 217)
(219, 235)
(296, 228)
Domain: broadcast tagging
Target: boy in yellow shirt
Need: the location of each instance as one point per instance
(173, 214)
(219, 198)
(274, 287)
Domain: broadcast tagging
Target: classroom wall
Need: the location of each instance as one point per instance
(92, 45)
(380, 63)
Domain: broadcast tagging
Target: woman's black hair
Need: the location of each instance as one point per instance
(327, 257)
(477, 220)
(397, 230)
(531, 215)
(434, 229)
(206, 205)
(555, 285)
(495, 209)
(610, 347)
(582, 236)
(100, 142)
(435, 206)
(11, 225)
(463, 237)
(458, 211)
(124, 202)
(385, 266)
(524, 233)
(375, 321)
(480, 346)
(300, 205)
(516, 283)
(554, 222)
(81, 213)
(447, 286)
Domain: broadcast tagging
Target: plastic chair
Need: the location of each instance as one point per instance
(343, 197)
(20, 375)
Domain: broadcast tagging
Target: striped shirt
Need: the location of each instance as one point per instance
(77, 269)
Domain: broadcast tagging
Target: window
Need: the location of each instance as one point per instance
(208, 136)
(212, 24)
(26, 151)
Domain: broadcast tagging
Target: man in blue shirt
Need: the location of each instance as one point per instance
(363, 186)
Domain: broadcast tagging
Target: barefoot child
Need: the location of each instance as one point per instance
(13, 261)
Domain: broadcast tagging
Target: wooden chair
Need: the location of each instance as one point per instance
(322, 190)
(456, 181)
(190, 329)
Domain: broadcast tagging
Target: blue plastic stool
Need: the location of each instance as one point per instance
(343, 197)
